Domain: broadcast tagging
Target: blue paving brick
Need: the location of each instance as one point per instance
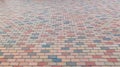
(45, 51)
(2, 32)
(52, 56)
(104, 48)
(97, 41)
(55, 25)
(9, 56)
(78, 51)
(8, 45)
(45, 46)
(119, 45)
(81, 37)
(65, 48)
(106, 38)
(49, 43)
(116, 34)
(11, 41)
(71, 63)
(57, 60)
(1, 53)
(80, 43)
(66, 22)
(35, 34)
(70, 40)
(103, 18)
(33, 37)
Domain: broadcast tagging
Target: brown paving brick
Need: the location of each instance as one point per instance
(17, 66)
(97, 56)
(2, 60)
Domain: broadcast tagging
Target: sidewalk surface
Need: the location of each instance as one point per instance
(59, 33)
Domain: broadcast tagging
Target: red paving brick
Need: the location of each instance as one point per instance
(42, 64)
(112, 60)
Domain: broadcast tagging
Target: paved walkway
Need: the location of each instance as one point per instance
(59, 33)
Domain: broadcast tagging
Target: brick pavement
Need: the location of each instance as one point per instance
(59, 33)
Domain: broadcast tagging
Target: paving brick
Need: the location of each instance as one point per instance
(67, 22)
(34, 37)
(97, 56)
(42, 64)
(9, 56)
(81, 37)
(97, 41)
(56, 66)
(46, 45)
(90, 63)
(52, 56)
(25, 48)
(2, 60)
(112, 60)
(78, 51)
(106, 38)
(57, 60)
(69, 40)
(45, 51)
(65, 54)
(71, 63)
(17, 66)
(80, 43)
(65, 48)
(32, 54)
(104, 48)
(1, 53)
